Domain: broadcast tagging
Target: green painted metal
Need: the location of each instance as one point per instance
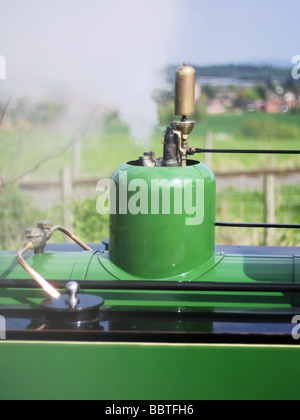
(120, 371)
(167, 240)
(54, 265)
(97, 266)
(194, 274)
(146, 371)
(51, 265)
(231, 268)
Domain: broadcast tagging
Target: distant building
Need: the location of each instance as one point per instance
(215, 107)
(273, 105)
(277, 104)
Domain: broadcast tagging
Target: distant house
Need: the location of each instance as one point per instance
(276, 104)
(215, 107)
(273, 105)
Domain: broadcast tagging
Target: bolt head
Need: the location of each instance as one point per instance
(44, 225)
(72, 288)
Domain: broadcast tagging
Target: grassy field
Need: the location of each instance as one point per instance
(232, 123)
(22, 149)
(102, 154)
(238, 205)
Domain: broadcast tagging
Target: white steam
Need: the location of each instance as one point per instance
(110, 52)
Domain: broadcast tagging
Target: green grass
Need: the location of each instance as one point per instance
(101, 154)
(227, 131)
(247, 206)
(232, 123)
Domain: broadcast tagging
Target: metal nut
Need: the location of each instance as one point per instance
(44, 225)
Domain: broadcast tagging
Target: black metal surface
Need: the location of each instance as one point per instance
(146, 285)
(59, 312)
(72, 247)
(249, 151)
(258, 250)
(171, 148)
(157, 326)
(227, 249)
(259, 225)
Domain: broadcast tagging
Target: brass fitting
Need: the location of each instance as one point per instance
(185, 90)
(37, 238)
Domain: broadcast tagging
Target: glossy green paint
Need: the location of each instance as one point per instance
(196, 273)
(230, 268)
(167, 240)
(51, 265)
(94, 266)
(119, 371)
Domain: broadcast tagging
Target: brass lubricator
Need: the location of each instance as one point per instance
(184, 106)
(185, 91)
(175, 138)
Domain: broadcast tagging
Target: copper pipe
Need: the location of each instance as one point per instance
(72, 236)
(37, 277)
(33, 246)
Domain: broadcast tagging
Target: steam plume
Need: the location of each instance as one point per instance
(109, 51)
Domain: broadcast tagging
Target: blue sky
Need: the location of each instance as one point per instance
(244, 31)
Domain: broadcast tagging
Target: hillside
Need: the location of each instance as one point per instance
(234, 71)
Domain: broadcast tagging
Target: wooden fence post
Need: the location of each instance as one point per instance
(66, 188)
(77, 156)
(269, 210)
(208, 145)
